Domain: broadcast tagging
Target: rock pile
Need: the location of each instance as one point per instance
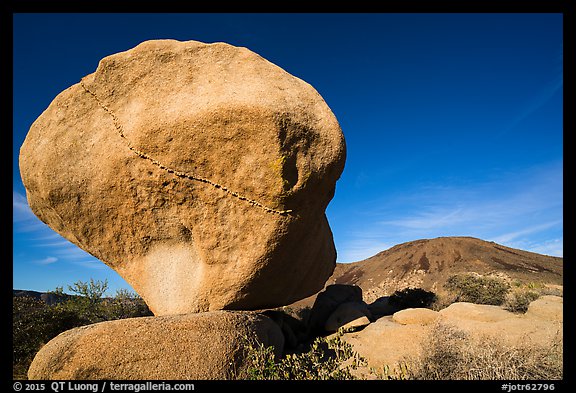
(401, 336)
(200, 173)
(387, 334)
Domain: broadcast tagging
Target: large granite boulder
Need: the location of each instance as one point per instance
(199, 172)
(206, 345)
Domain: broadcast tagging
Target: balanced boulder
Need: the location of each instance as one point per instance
(206, 345)
(199, 172)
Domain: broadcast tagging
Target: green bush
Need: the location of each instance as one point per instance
(34, 322)
(519, 299)
(327, 358)
(478, 289)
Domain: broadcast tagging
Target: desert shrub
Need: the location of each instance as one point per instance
(478, 289)
(90, 307)
(443, 300)
(519, 299)
(327, 358)
(387, 373)
(450, 354)
(552, 291)
(442, 355)
(125, 304)
(412, 298)
(447, 354)
(34, 322)
(87, 303)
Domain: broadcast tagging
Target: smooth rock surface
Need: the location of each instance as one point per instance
(386, 342)
(415, 316)
(547, 307)
(476, 312)
(199, 172)
(192, 346)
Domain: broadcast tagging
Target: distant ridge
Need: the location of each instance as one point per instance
(46, 297)
(427, 264)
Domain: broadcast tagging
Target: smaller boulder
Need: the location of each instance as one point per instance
(349, 315)
(328, 301)
(415, 316)
(206, 345)
(547, 307)
(386, 342)
(475, 312)
(294, 330)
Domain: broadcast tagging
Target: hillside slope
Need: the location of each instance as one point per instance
(428, 263)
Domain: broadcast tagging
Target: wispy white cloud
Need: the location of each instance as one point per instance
(47, 261)
(361, 248)
(91, 264)
(554, 247)
(535, 102)
(508, 237)
(521, 210)
(21, 210)
(45, 245)
(23, 219)
(52, 243)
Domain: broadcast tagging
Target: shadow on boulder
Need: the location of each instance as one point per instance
(400, 300)
(349, 315)
(327, 302)
(295, 331)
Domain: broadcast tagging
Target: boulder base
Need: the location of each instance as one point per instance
(193, 346)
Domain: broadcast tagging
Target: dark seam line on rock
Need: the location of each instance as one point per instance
(171, 170)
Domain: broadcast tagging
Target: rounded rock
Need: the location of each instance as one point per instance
(199, 172)
(415, 316)
(193, 346)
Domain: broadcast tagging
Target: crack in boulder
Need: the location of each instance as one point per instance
(176, 172)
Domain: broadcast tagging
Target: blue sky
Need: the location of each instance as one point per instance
(453, 122)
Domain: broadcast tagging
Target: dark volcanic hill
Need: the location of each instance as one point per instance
(46, 297)
(428, 263)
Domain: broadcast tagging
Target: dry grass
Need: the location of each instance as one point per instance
(450, 354)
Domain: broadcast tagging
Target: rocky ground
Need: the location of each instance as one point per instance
(201, 174)
(401, 337)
